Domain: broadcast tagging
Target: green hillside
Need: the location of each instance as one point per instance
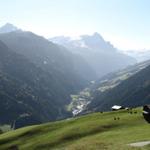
(132, 92)
(98, 131)
(96, 96)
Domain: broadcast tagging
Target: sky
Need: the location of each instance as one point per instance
(125, 23)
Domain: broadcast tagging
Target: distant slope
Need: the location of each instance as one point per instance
(132, 91)
(8, 27)
(90, 132)
(31, 45)
(28, 94)
(140, 56)
(48, 56)
(37, 79)
(113, 79)
(101, 55)
(82, 101)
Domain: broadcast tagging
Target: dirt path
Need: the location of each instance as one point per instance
(140, 144)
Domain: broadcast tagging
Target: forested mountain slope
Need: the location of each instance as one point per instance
(131, 92)
(37, 79)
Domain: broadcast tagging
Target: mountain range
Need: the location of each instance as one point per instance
(139, 55)
(39, 77)
(101, 55)
(128, 87)
(8, 27)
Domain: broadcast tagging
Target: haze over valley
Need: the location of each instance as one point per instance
(69, 67)
(74, 75)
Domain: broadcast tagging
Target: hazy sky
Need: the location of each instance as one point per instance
(126, 23)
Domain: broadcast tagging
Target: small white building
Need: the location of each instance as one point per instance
(116, 107)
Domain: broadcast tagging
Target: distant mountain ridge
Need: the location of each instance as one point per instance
(79, 64)
(129, 87)
(140, 56)
(89, 99)
(8, 27)
(28, 95)
(101, 55)
(37, 79)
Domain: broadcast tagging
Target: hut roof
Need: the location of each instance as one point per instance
(116, 107)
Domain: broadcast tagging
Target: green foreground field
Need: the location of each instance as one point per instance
(97, 131)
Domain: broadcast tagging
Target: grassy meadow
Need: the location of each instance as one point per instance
(97, 131)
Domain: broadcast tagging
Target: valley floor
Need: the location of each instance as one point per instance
(97, 131)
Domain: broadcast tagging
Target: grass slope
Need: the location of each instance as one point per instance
(98, 131)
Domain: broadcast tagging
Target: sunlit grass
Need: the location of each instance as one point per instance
(90, 132)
